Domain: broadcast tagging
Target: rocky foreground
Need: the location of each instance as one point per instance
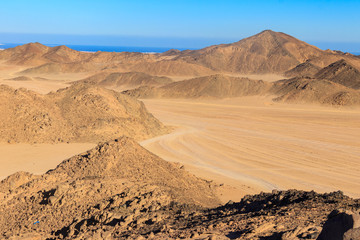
(119, 190)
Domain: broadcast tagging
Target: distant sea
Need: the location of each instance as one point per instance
(93, 48)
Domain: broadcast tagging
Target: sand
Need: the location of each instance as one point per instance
(36, 158)
(256, 145)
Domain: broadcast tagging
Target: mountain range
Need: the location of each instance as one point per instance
(266, 52)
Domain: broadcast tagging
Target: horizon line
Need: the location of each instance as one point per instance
(151, 41)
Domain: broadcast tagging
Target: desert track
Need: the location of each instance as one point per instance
(260, 146)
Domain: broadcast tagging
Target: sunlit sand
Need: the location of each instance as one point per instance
(258, 146)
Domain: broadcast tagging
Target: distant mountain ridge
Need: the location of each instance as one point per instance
(265, 52)
(314, 75)
(336, 84)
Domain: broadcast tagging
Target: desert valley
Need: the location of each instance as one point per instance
(257, 139)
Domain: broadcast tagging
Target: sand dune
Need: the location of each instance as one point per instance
(262, 146)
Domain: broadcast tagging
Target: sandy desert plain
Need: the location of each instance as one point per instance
(268, 113)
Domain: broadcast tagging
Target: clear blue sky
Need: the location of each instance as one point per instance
(178, 23)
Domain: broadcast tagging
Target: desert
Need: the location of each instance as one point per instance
(255, 139)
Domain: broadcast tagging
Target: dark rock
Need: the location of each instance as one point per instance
(338, 223)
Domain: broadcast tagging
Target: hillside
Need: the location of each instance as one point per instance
(20, 78)
(341, 72)
(174, 67)
(56, 68)
(266, 52)
(75, 114)
(34, 54)
(214, 86)
(120, 190)
(305, 69)
(310, 90)
(297, 90)
(139, 184)
(127, 80)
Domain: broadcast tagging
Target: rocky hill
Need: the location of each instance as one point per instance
(305, 69)
(266, 52)
(295, 90)
(119, 190)
(341, 72)
(37, 54)
(139, 185)
(127, 80)
(214, 86)
(74, 114)
(311, 90)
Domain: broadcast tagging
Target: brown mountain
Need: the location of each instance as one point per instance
(305, 69)
(311, 90)
(214, 86)
(35, 54)
(64, 54)
(76, 114)
(127, 80)
(61, 59)
(341, 72)
(266, 52)
(295, 90)
(24, 54)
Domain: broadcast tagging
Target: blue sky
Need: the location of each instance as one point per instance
(178, 23)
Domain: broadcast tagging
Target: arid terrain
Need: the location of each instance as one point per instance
(262, 145)
(201, 144)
